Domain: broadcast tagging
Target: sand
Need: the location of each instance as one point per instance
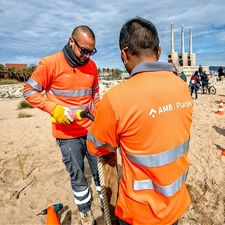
(32, 175)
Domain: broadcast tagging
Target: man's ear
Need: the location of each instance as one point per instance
(159, 51)
(71, 40)
(124, 56)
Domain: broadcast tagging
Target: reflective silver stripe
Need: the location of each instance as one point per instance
(82, 197)
(36, 88)
(91, 105)
(35, 85)
(95, 95)
(26, 94)
(168, 190)
(160, 159)
(70, 93)
(99, 144)
(75, 108)
(95, 87)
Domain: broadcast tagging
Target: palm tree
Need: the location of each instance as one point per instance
(112, 73)
(2, 71)
(31, 68)
(104, 70)
(99, 73)
(118, 73)
(11, 73)
(108, 71)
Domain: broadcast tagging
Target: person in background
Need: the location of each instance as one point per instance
(183, 76)
(149, 117)
(220, 72)
(205, 82)
(70, 81)
(200, 70)
(195, 84)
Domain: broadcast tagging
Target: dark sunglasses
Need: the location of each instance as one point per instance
(85, 51)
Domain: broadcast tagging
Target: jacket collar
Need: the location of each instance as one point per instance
(152, 66)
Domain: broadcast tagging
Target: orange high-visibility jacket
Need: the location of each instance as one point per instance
(73, 87)
(149, 117)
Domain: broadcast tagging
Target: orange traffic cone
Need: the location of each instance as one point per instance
(220, 110)
(222, 153)
(52, 217)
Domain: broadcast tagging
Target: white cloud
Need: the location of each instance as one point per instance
(29, 30)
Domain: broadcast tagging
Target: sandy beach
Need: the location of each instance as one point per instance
(32, 175)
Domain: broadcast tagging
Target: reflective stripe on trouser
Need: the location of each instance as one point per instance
(99, 191)
(73, 152)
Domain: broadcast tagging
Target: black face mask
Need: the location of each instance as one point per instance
(71, 58)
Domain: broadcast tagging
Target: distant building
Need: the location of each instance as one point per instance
(16, 66)
(12, 71)
(184, 61)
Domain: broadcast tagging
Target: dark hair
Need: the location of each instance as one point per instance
(140, 36)
(84, 29)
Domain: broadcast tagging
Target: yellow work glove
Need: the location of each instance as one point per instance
(61, 115)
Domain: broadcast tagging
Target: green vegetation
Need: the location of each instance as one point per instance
(23, 74)
(8, 81)
(109, 74)
(24, 105)
(23, 115)
(20, 74)
(21, 162)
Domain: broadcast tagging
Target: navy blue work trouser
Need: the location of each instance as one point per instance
(194, 89)
(73, 152)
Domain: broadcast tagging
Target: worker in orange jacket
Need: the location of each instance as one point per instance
(149, 117)
(70, 81)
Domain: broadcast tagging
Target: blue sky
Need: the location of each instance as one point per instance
(30, 30)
